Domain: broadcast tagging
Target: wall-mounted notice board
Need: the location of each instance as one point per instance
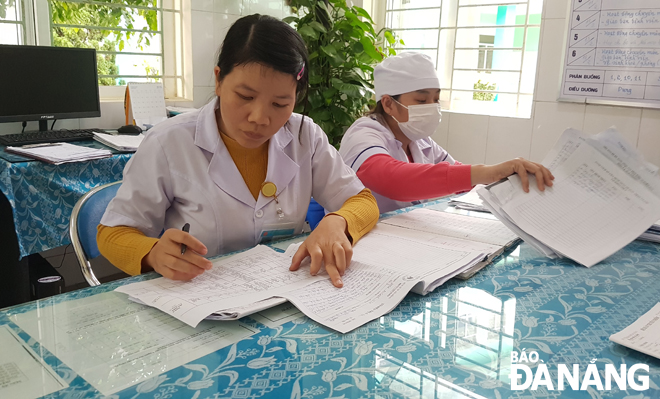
(613, 53)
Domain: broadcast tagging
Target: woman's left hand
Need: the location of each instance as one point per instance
(329, 244)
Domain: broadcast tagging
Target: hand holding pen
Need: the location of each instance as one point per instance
(186, 229)
(178, 255)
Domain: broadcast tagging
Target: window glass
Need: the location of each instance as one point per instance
(485, 51)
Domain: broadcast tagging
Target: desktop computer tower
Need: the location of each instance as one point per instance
(45, 280)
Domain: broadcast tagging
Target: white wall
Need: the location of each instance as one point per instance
(489, 139)
(210, 21)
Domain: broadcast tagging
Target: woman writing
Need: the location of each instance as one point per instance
(392, 151)
(240, 170)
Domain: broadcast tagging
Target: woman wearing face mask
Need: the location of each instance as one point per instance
(392, 151)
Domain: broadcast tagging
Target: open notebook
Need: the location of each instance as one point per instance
(417, 251)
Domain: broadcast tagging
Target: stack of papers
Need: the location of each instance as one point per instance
(59, 153)
(643, 335)
(604, 196)
(652, 234)
(417, 251)
(125, 142)
(469, 201)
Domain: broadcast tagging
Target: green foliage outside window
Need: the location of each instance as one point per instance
(483, 96)
(102, 16)
(4, 5)
(343, 49)
(99, 16)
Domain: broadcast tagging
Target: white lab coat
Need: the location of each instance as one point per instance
(183, 173)
(368, 136)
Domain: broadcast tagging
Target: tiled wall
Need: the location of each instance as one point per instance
(210, 21)
(484, 139)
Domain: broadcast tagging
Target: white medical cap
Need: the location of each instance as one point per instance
(404, 73)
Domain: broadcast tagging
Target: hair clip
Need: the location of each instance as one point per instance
(300, 74)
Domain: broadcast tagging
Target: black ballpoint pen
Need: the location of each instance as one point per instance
(186, 228)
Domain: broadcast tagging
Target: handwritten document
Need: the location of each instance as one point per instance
(114, 343)
(601, 200)
(247, 277)
(22, 373)
(426, 260)
(387, 263)
(643, 335)
(404, 253)
(446, 224)
(612, 52)
(368, 293)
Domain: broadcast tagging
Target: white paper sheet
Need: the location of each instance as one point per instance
(59, 153)
(491, 202)
(237, 313)
(397, 249)
(22, 373)
(643, 335)
(368, 293)
(114, 343)
(469, 201)
(278, 315)
(482, 230)
(120, 142)
(592, 211)
(238, 280)
(387, 263)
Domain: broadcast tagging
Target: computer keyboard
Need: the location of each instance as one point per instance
(48, 136)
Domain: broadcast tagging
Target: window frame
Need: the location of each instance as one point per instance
(21, 21)
(174, 18)
(446, 51)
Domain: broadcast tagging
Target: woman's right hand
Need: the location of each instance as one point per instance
(486, 174)
(166, 259)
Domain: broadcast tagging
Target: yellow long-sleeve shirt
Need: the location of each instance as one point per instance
(125, 247)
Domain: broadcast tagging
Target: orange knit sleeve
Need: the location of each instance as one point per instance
(361, 214)
(124, 247)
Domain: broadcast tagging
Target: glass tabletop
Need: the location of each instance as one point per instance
(456, 342)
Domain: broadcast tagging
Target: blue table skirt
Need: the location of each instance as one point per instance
(42, 196)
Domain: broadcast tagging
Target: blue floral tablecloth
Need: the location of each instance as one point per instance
(455, 342)
(42, 196)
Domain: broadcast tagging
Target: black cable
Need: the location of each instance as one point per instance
(63, 256)
(24, 124)
(51, 126)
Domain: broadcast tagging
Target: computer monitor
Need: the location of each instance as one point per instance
(42, 83)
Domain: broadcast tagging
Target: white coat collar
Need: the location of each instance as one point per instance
(420, 150)
(223, 170)
(281, 168)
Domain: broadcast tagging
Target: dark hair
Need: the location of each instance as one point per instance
(378, 109)
(268, 41)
